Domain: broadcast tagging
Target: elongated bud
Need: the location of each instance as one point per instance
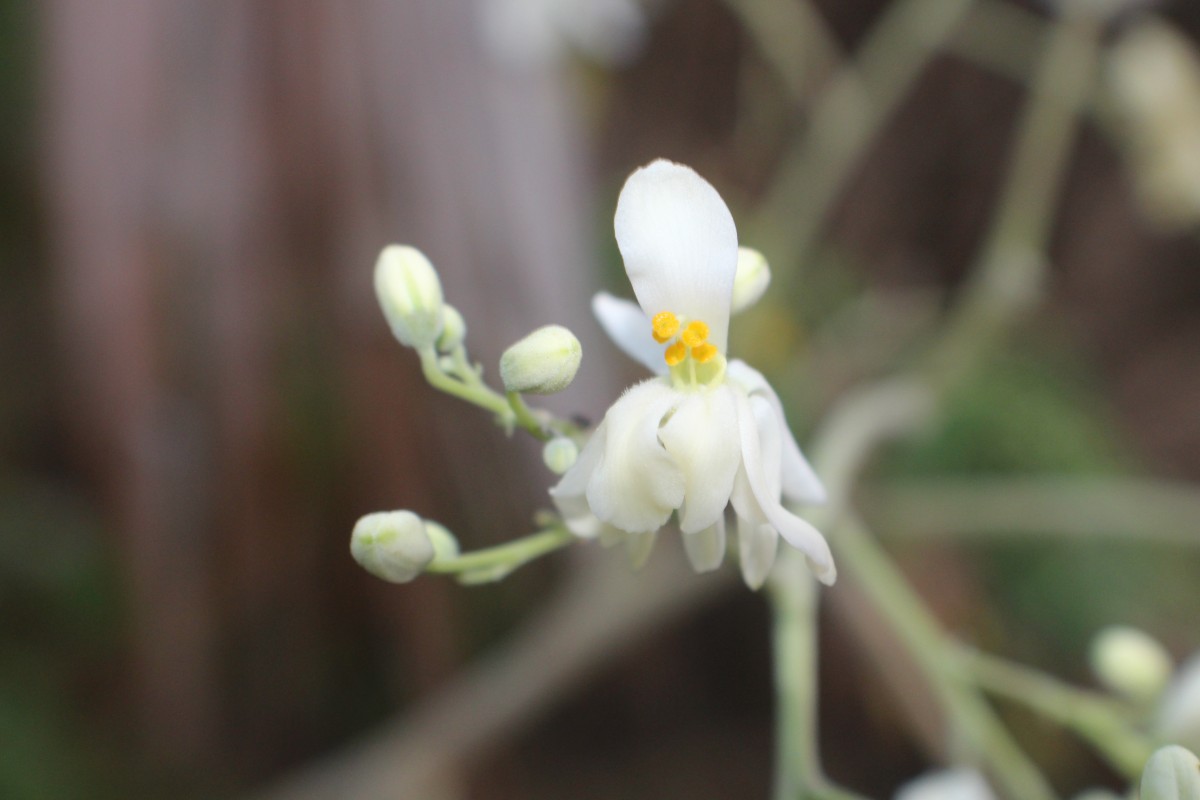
(544, 362)
(1131, 662)
(392, 545)
(410, 294)
(751, 280)
(454, 329)
(560, 454)
(1172, 773)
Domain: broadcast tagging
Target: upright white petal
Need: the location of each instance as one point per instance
(706, 547)
(629, 328)
(679, 244)
(702, 439)
(959, 783)
(757, 546)
(636, 484)
(800, 482)
(758, 426)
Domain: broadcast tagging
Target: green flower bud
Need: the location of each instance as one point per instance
(1172, 773)
(1131, 662)
(751, 279)
(560, 454)
(454, 329)
(392, 545)
(410, 294)
(544, 362)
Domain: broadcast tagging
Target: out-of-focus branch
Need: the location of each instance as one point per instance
(793, 38)
(598, 614)
(1070, 507)
(845, 121)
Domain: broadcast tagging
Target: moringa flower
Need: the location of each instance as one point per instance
(706, 432)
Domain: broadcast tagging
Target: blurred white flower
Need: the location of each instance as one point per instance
(529, 32)
(1179, 710)
(706, 432)
(1154, 86)
(1172, 773)
(948, 784)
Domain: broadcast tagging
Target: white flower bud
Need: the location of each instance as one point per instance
(393, 545)
(1131, 662)
(1179, 709)
(454, 329)
(410, 294)
(751, 279)
(544, 362)
(560, 454)
(1172, 773)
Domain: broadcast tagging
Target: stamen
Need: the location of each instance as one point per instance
(695, 334)
(665, 325)
(704, 353)
(675, 354)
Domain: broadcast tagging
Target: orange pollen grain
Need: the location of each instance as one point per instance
(704, 353)
(675, 354)
(695, 334)
(665, 325)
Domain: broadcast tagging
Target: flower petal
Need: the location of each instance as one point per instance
(800, 482)
(636, 484)
(701, 438)
(758, 426)
(638, 547)
(757, 546)
(570, 493)
(679, 244)
(629, 328)
(706, 547)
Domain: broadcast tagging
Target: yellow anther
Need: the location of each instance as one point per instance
(695, 334)
(675, 354)
(704, 353)
(665, 326)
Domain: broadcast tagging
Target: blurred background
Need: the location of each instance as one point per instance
(199, 396)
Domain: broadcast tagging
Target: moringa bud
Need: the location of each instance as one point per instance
(1131, 662)
(410, 294)
(544, 362)
(751, 279)
(392, 545)
(1172, 773)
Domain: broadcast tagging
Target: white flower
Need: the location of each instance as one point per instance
(948, 784)
(705, 433)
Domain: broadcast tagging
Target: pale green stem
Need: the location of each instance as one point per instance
(1096, 718)
(931, 651)
(793, 38)
(793, 603)
(466, 384)
(845, 121)
(505, 557)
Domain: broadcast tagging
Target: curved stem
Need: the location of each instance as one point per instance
(1096, 718)
(493, 563)
(932, 652)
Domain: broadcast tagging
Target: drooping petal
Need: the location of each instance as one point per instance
(758, 426)
(636, 485)
(757, 546)
(638, 547)
(570, 493)
(629, 328)
(702, 439)
(800, 482)
(679, 244)
(706, 547)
